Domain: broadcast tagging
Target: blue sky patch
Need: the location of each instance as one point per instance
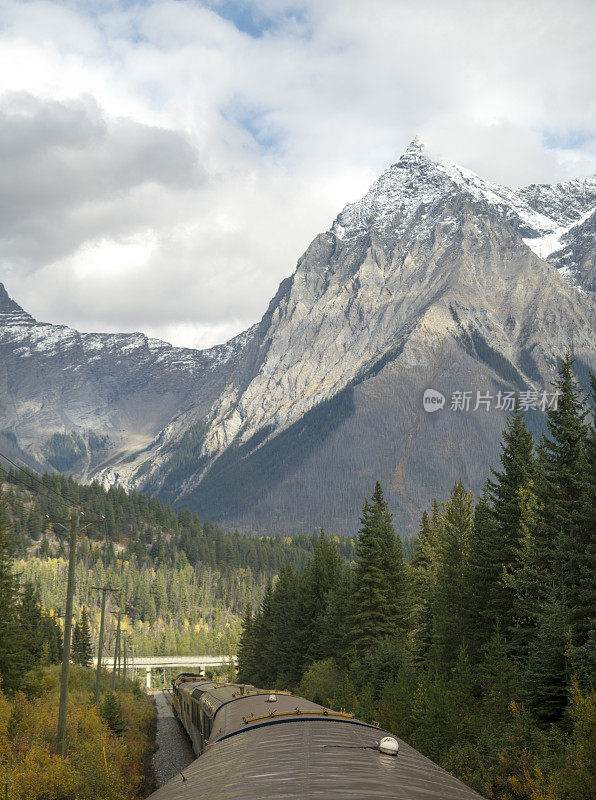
(564, 140)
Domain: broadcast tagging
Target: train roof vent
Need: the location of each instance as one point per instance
(389, 746)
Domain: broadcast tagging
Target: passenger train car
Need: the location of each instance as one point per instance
(269, 745)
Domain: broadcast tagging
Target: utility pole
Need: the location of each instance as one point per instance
(74, 524)
(117, 650)
(124, 662)
(104, 590)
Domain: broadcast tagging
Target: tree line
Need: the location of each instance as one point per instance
(142, 526)
(182, 582)
(482, 650)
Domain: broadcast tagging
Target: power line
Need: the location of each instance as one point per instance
(36, 477)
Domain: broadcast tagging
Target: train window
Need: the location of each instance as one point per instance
(206, 726)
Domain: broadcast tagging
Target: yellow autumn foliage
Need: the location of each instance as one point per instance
(43, 775)
(97, 764)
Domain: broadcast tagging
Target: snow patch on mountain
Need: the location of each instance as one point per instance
(553, 241)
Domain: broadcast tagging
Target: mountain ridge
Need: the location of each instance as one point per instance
(434, 275)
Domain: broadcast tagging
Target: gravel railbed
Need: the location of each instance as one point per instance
(174, 752)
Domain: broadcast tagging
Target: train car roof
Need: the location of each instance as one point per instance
(315, 760)
(255, 708)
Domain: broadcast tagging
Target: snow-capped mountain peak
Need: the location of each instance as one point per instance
(414, 192)
(428, 280)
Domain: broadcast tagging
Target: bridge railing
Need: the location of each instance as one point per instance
(195, 663)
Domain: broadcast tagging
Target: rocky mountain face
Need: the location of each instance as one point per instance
(96, 398)
(436, 279)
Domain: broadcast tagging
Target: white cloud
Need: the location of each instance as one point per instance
(163, 169)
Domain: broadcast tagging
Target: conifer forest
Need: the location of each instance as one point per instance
(481, 651)
(476, 642)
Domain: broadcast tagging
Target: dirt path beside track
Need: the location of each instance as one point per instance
(174, 751)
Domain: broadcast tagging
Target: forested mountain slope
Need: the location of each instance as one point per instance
(184, 582)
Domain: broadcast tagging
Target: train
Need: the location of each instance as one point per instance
(266, 744)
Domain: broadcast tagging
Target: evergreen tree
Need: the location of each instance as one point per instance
(111, 712)
(482, 574)
(449, 602)
(263, 641)
(398, 599)
(498, 678)
(52, 640)
(584, 611)
(562, 486)
(381, 596)
(334, 623)
(247, 657)
(31, 623)
(525, 579)
(368, 618)
(424, 572)
(518, 469)
(318, 582)
(286, 630)
(84, 647)
(44, 550)
(497, 538)
(565, 541)
(546, 682)
(12, 654)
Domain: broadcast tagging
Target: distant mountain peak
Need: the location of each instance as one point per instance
(409, 198)
(7, 304)
(414, 152)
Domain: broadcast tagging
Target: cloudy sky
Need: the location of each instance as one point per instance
(165, 163)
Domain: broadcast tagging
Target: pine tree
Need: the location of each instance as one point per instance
(584, 611)
(563, 468)
(424, 572)
(398, 597)
(12, 654)
(503, 504)
(381, 592)
(111, 712)
(52, 639)
(368, 619)
(334, 623)
(318, 582)
(546, 679)
(525, 579)
(498, 679)
(246, 649)
(449, 602)
(565, 541)
(85, 647)
(286, 630)
(263, 641)
(481, 576)
(31, 623)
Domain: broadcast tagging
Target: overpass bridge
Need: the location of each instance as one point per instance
(196, 664)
